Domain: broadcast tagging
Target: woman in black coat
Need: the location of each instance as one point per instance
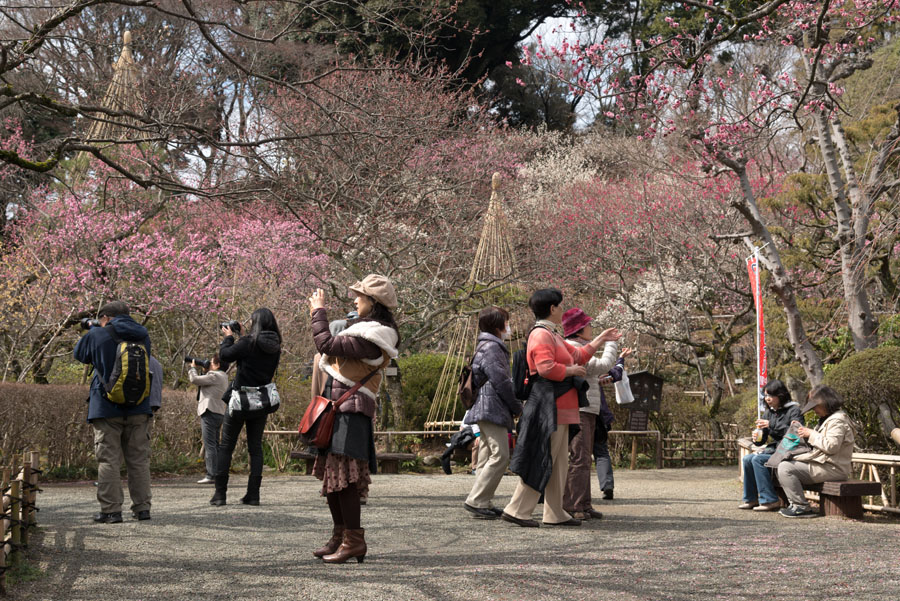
(257, 356)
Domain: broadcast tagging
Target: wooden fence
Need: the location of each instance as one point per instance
(19, 486)
(684, 451)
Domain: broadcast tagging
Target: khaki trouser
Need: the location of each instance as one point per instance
(581, 450)
(493, 459)
(792, 475)
(525, 499)
(115, 437)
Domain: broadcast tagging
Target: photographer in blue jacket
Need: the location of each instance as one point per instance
(119, 429)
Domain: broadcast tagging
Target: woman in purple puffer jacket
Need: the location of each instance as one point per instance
(494, 409)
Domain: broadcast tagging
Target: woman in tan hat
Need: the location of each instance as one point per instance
(831, 456)
(354, 358)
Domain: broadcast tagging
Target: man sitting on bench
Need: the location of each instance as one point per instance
(831, 455)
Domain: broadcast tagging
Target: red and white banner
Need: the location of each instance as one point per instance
(762, 372)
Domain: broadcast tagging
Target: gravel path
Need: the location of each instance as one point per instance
(670, 534)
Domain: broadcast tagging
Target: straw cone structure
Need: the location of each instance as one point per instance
(120, 96)
(494, 263)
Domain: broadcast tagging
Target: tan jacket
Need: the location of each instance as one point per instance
(212, 386)
(832, 443)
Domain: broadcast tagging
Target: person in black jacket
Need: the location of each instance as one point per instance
(257, 356)
(759, 490)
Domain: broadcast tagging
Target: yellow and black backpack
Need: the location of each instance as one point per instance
(129, 382)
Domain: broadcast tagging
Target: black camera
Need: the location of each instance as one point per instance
(234, 325)
(204, 363)
(87, 323)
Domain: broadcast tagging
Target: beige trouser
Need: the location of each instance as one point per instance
(525, 498)
(115, 437)
(493, 459)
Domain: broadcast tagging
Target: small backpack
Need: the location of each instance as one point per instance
(129, 382)
(466, 388)
(522, 384)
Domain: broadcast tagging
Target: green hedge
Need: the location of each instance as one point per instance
(866, 380)
(419, 377)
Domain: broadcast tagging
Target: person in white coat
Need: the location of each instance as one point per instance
(211, 409)
(577, 497)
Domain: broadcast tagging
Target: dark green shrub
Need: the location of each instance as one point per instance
(419, 377)
(866, 380)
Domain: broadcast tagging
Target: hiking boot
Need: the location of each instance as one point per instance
(108, 518)
(798, 512)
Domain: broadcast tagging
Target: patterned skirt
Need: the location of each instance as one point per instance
(350, 460)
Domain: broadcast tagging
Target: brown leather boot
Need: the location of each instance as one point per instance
(353, 545)
(333, 543)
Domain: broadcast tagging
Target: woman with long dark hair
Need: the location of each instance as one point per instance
(781, 410)
(354, 358)
(257, 355)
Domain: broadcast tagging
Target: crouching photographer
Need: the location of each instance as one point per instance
(210, 407)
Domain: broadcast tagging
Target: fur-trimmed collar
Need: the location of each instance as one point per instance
(385, 337)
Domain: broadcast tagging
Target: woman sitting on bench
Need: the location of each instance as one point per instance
(759, 490)
(831, 455)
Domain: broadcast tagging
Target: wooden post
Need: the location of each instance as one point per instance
(24, 505)
(633, 452)
(35, 467)
(684, 450)
(659, 451)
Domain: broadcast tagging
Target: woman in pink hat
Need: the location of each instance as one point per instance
(578, 331)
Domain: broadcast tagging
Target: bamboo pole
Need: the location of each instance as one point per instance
(15, 508)
(893, 486)
(24, 504)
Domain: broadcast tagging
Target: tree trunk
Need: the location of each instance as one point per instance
(781, 282)
(850, 220)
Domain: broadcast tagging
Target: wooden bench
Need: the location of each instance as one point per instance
(388, 463)
(835, 498)
(842, 499)
(309, 458)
